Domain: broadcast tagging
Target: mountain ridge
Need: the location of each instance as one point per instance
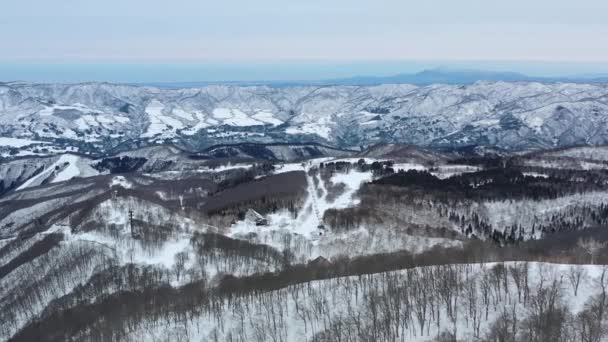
(421, 78)
(95, 118)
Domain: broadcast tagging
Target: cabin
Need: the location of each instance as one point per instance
(257, 218)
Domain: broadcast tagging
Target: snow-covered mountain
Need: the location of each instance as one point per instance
(99, 117)
(223, 238)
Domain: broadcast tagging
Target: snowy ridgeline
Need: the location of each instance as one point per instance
(531, 301)
(478, 113)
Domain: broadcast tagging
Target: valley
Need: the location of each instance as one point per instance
(224, 236)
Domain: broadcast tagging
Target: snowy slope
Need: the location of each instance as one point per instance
(66, 167)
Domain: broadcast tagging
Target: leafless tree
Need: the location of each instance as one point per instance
(180, 263)
(591, 247)
(575, 274)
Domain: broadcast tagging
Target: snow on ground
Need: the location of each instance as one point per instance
(298, 313)
(85, 122)
(316, 204)
(353, 181)
(116, 237)
(18, 142)
(128, 250)
(121, 181)
(536, 174)
(505, 214)
(486, 122)
(309, 219)
(182, 113)
(447, 171)
(235, 117)
(320, 127)
(220, 168)
(439, 171)
(60, 133)
(231, 167)
(561, 164)
(308, 241)
(302, 166)
(409, 166)
(50, 110)
(597, 153)
(200, 124)
(368, 240)
(267, 117)
(57, 272)
(356, 160)
(16, 219)
(66, 167)
(179, 174)
(160, 123)
(283, 168)
(72, 170)
(34, 149)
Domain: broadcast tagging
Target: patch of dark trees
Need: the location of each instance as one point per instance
(489, 184)
(123, 164)
(240, 177)
(378, 168)
(378, 110)
(562, 222)
(205, 243)
(263, 151)
(341, 220)
(266, 194)
(482, 161)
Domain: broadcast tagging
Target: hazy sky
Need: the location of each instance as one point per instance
(262, 31)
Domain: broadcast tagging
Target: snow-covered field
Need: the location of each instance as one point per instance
(160, 124)
(18, 142)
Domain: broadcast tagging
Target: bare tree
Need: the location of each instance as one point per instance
(592, 321)
(504, 328)
(180, 262)
(575, 274)
(591, 247)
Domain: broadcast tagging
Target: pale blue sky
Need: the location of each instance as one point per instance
(390, 35)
